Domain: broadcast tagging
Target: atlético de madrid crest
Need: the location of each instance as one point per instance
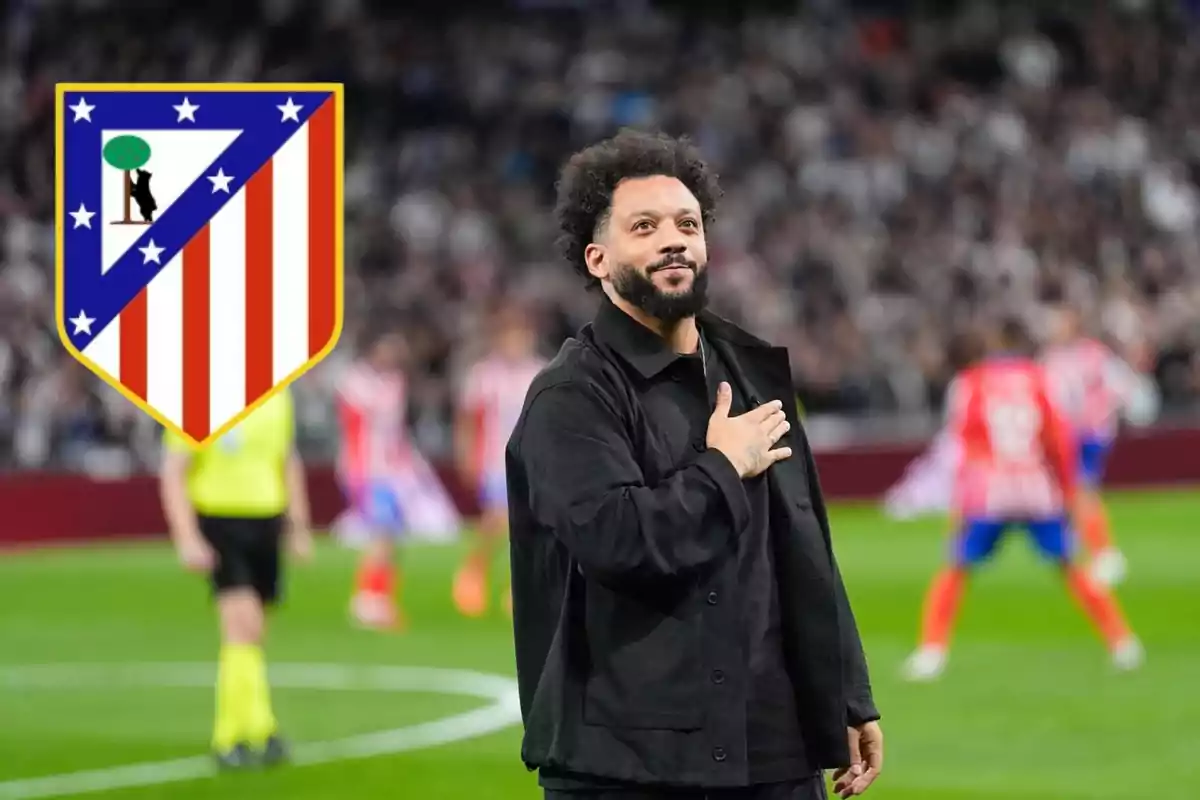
(199, 250)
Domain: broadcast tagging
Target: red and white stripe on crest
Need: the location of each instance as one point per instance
(250, 300)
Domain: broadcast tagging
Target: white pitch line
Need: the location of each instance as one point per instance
(501, 713)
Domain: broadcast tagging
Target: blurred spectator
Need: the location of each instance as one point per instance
(889, 180)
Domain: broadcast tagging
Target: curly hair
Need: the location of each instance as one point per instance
(587, 181)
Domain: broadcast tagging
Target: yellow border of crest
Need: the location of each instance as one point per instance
(338, 91)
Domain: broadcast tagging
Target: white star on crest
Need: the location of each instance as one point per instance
(82, 110)
(186, 111)
(220, 181)
(83, 217)
(82, 323)
(151, 252)
(290, 111)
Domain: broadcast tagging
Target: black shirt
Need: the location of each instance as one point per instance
(678, 393)
(774, 743)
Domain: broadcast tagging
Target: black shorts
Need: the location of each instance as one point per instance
(247, 550)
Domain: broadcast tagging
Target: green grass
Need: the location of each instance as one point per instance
(1028, 709)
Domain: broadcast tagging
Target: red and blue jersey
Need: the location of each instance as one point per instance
(1092, 386)
(1016, 450)
(493, 393)
(372, 406)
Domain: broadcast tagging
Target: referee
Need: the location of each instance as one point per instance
(228, 506)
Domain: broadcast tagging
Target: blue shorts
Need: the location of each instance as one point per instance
(979, 538)
(1093, 456)
(493, 492)
(377, 504)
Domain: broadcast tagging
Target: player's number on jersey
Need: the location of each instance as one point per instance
(1013, 430)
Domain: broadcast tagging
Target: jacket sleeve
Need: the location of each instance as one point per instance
(586, 486)
(860, 703)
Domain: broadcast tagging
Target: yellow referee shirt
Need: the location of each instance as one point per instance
(242, 474)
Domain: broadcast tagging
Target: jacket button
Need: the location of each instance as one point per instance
(712, 598)
(718, 754)
(718, 676)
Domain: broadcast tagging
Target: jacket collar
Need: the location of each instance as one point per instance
(645, 350)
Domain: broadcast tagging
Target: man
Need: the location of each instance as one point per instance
(1094, 387)
(680, 621)
(490, 403)
(228, 507)
(1016, 467)
(390, 486)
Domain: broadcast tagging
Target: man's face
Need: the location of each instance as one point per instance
(515, 338)
(652, 250)
(388, 352)
(1065, 326)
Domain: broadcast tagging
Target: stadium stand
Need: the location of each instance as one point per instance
(888, 180)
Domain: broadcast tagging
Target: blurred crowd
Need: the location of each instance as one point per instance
(891, 179)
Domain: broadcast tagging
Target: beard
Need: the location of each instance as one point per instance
(637, 288)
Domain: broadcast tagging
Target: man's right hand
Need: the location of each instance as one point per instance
(196, 554)
(747, 440)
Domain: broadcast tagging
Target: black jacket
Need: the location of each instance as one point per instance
(615, 551)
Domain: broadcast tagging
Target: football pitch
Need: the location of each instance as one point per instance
(106, 667)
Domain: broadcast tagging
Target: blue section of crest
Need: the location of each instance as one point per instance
(256, 114)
